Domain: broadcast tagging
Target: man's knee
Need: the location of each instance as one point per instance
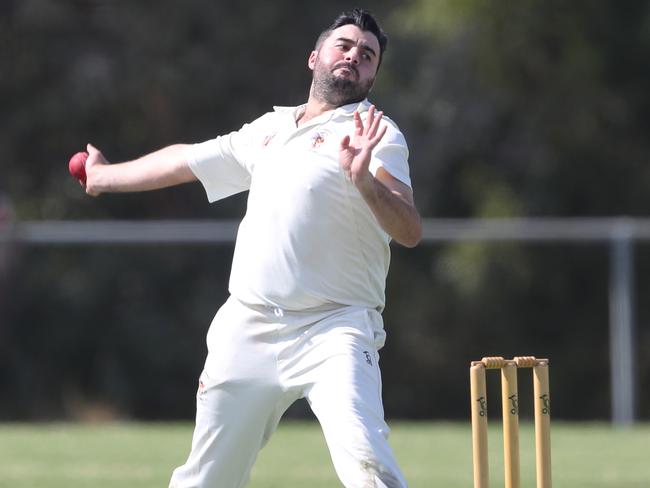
(372, 474)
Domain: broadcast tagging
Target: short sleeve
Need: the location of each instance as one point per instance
(221, 164)
(392, 154)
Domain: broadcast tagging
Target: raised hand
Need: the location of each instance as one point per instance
(355, 151)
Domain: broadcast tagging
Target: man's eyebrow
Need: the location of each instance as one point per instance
(365, 47)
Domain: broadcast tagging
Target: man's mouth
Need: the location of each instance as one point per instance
(347, 67)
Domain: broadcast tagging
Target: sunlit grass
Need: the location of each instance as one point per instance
(141, 455)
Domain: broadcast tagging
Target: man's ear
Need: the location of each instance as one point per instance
(311, 62)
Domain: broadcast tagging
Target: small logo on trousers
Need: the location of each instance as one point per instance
(368, 357)
(201, 391)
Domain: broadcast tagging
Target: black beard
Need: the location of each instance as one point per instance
(338, 91)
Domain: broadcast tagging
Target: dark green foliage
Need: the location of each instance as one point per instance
(530, 108)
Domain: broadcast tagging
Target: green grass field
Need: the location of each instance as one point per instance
(431, 455)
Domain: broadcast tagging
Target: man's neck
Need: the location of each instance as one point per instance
(313, 109)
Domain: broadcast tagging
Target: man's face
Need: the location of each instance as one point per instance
(345, 65)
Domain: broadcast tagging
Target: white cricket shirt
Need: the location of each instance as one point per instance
(308, 238)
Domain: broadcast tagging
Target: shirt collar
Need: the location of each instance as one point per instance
(350, 108)
(344, 110)
(292, 111)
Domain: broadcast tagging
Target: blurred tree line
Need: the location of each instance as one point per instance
(511, 109)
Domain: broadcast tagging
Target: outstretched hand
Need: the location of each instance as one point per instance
(355, 151)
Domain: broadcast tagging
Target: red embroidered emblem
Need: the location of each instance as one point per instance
(268, 139)
(317, 139)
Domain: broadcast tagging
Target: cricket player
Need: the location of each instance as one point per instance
(329, 188)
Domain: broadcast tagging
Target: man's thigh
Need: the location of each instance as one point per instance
(345, 395)
(238, 404)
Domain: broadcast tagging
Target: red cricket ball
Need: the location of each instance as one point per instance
(77, 166)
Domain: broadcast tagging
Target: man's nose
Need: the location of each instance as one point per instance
(352, 56)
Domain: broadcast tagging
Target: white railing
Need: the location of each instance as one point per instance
(620, 233)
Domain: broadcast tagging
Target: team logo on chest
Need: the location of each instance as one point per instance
(318, 138)
(267, 139)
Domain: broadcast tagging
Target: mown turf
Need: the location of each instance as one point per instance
(431, 454)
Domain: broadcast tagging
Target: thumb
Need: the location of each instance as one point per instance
(345, 142)
(94, 156)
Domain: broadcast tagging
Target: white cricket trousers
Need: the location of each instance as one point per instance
(260, 360)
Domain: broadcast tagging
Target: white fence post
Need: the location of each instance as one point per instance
(621, 327)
